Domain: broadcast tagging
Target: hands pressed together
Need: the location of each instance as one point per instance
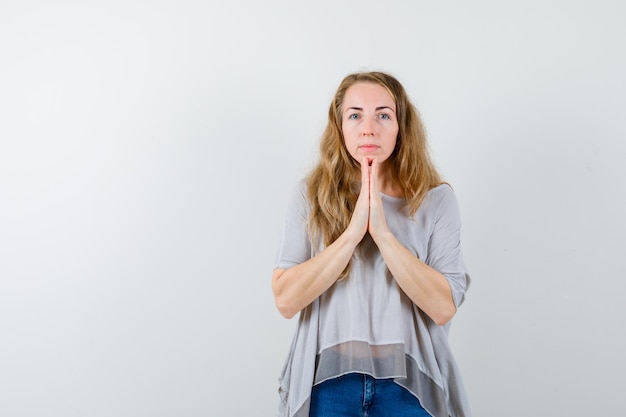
(298, 286)
(368, 215)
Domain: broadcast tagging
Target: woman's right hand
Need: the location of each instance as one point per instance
(298, 286)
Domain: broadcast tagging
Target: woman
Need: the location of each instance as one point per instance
(370, 257)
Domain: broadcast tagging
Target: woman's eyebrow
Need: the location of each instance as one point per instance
(377, 108)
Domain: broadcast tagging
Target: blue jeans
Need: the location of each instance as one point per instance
(360, 395)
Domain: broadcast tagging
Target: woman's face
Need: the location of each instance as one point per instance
(369, 122)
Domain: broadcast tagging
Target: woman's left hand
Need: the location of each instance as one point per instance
(426, 287)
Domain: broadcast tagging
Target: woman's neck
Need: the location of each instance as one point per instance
(387, 186)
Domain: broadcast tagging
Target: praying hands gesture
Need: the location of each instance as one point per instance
(368, 215)
(297, 287)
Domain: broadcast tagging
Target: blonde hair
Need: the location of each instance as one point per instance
(333, 185)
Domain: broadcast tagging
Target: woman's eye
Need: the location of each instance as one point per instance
(353, 116)
(384, 116)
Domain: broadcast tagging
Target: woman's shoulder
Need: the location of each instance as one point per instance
(440, 192)
(298, 197)
(300, 186)
(439, 197)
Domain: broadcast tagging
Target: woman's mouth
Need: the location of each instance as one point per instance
(369, 148)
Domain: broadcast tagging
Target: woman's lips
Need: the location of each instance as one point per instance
(369, 148)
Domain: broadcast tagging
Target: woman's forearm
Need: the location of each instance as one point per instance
(297, 287)
(425, 286)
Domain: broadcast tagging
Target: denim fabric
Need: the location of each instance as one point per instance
(360, 395)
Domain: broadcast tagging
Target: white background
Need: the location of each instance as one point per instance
(147, 150)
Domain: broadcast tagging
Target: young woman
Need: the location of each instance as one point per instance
(370, 257)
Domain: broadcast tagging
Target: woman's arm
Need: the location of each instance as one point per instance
(296, 287)
(426, 287)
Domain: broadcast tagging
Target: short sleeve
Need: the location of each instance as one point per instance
(294, 244)
(444, 246)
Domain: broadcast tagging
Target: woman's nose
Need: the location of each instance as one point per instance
(367, 127)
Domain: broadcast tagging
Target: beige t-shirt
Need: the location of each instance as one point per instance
(366, 323)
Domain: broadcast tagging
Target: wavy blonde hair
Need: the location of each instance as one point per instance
(333, 185)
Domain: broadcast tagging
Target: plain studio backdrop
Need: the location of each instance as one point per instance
(148, 148)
